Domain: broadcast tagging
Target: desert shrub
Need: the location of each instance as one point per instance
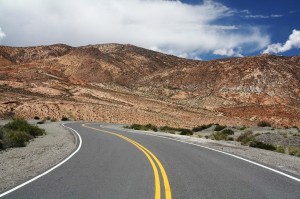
(246, 137)
(261, 145)
(48, 118)
(17, 138)
(202, 127)
(168, 129)
(53, 120)
(206, 137)
(64, 118)
(219, 127)
(228, 132)
(146, 127)
(23, 126)
(280, 149)
(219, 136)
(185, 131)
(36, 118)
(151, 127)
(243, 128)
(230, 139)
(41, 122)
(263, 124)
(295, 151)
(135, 127)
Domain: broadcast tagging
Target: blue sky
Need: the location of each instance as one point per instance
(260, 14)
(196, 29)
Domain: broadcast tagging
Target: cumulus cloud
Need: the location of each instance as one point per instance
(292, 42)
(2, 34)
(171, 26)
(228, 52)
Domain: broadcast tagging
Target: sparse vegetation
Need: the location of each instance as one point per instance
(167, 129)
(53, 120)
(48, 118)
(263, 124)
(143, 127)
(41, 122)
(246, 137)
(243, 128)
(228, 132)
(219, 127)
(17, 133)
(202, 127)
(295, 151)
(219, 136)
(36, 118)
(280, 149)
(64, 118)
(261, 145)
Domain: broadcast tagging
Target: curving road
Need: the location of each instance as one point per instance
(114, 164)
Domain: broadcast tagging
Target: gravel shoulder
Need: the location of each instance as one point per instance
(19, 164)
(281, 161)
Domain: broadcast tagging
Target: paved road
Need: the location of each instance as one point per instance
(114, 164)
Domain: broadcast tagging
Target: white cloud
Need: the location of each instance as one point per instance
(228, 52)
(171, 26)
(2, 34)
(292, 42)
(263, 16)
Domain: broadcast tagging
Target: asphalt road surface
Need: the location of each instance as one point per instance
(114, 164)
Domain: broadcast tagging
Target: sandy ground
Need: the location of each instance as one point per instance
(19, 164)
(281, 161)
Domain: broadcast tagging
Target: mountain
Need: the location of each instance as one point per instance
(127, 84)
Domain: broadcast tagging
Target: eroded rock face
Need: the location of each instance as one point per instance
(126, 84)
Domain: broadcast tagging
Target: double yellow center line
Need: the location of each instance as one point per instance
(152, 159)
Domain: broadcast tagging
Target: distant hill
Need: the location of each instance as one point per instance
(127, 84)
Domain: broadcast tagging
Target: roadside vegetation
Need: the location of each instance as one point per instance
(17, 133)
(262, 138)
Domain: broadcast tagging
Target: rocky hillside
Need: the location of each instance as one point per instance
(126, 84)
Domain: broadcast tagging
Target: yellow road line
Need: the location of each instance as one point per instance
(155, 170)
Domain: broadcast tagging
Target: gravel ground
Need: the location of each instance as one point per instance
(20, 164)
(282, 161)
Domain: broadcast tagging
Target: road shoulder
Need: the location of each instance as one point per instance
(20, 164)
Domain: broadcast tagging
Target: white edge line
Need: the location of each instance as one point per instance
(235, 156)
(48, 171)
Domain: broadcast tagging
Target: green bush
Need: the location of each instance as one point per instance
(295, 151)
(23, 126)
(246, 137)
(17, 139)
(202, 127)
(219, 136)
(228, 132)
(280, 149)
(263, 124)
(219, 127)
(261, 145)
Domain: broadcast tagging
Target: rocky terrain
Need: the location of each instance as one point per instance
(127, 84)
